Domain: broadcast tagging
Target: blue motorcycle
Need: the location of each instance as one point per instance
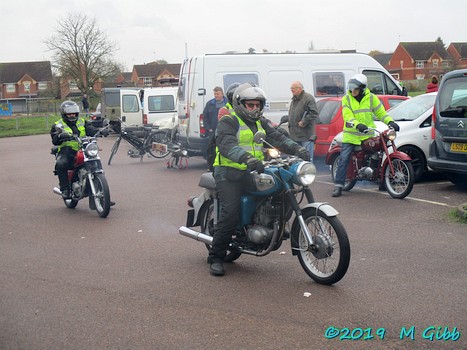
(278, 207)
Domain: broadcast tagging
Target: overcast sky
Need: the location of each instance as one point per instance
(148, 30)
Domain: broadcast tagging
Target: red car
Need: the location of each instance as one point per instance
(331, 122)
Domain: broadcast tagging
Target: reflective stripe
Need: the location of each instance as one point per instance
(80, 124)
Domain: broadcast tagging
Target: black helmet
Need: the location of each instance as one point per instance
(247, 92)
(69, 107)
(230, 91)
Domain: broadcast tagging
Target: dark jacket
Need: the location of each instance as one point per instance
(210, 113)
(302, 108)
(227, 142)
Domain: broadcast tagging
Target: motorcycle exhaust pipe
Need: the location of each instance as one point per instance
(185, 231)
(57, 191)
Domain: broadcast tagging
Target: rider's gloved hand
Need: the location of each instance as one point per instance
(255, 164)
(362, 127)
(394, 126)
(302, 153)
(64, 136)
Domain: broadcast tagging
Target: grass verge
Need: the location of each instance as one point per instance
(21, 126)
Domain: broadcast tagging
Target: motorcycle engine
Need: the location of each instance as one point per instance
(266, 214)
(134, 153)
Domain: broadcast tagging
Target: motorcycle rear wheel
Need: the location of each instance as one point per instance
(102, 197)
(349, 184)
(207, 227)
(328, 259)
(158, 137)
(401, 183)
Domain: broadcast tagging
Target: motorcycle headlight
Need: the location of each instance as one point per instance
(391, 135)
(92, 150)
(273, 153)
(306, 173)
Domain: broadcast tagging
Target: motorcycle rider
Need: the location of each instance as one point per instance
(358, 107)
(62, 136)
(236, 156)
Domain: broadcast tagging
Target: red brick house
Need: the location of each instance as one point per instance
(458, 52)
(419, 60)
(155, 74)
(21, 80)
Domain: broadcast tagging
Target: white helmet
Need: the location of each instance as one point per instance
(358, 81)
(246, 92)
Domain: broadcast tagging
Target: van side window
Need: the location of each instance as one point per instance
(329, 84)
(130, 103)
(240, 78)
(380, 84)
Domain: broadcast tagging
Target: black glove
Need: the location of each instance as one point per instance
(64, 136)
(303, 153)
(105, 132)
(362, 127)
(255, 164)
(394, 126)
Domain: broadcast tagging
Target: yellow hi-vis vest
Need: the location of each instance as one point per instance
(245, 141)
(361, 113)
(82, 132)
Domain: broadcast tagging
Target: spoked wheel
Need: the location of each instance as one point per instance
(71, 203)
(114, 149)
(207, 227)
(102, 197)
(349, 184)
(399, 184)
(159, 137)
(327, 260)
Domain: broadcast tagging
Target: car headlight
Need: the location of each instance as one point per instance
(92, 150)
(306, 173)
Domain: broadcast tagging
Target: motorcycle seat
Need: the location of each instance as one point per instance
(207, 181)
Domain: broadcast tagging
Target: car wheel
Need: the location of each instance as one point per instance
(418, 160)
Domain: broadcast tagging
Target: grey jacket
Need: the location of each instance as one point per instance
(302, 107)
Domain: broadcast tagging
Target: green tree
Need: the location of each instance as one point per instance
(441, 41)
(82, 51)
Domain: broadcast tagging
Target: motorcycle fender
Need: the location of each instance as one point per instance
(324, 207)
(399, 155)
(198, 203)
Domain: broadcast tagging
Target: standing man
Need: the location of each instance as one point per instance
(358, 108)
(302, 116)
(85, 103)
(211, 110)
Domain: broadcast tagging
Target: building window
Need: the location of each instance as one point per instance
(42, 86)
(147, 81)
(73, 86)
(10, 88)
(419, 64)
(435, 63)
(446, 64)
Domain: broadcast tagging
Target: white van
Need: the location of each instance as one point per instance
(322, 74)
(160, 106)
(122, 103)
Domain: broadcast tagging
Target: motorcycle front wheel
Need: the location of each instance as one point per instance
(207, 227)
(400, 183)
(327, 260)
(102, 195)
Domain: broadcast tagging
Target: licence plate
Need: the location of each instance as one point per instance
(159, 147)
(459, 147)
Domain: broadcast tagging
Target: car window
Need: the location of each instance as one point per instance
(453, 100)
(392, 102)
(327, 110)
(162, 103)
(412, 108)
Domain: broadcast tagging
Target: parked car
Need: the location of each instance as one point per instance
(448, 149)
(331, 122)
(414, 118)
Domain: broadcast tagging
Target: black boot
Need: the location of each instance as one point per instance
(337, 191)
(217, 268)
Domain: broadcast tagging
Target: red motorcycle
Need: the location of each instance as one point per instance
(372, 161)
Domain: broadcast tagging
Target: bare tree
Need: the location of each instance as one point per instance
(82, 51)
